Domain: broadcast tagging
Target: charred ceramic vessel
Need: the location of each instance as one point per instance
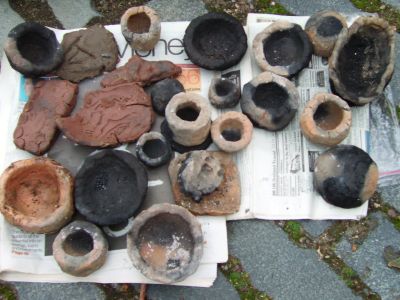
(362, 62)
(166, 243)
(153, 149)
(223, 93)
(110, 187)
(326, 119)
(215, 41)
(141, 27)
(162, 92)
(323, 29)
(282, 48)
(36, 195)
(80, 248)
(232, 131)
(345, 176)
(33, 49)
(270, 101)
(189, 118)
(120, 229)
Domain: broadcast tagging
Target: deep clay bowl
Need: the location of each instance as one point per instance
(36, 195)
(165, 243)
(110, 187)
(153, 149)
(33, 49)
(215, 41)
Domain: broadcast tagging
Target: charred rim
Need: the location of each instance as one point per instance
(139, 23)
(119, 226)
(35, 47)
(223, 87)
(231, 130)
(328, 115)
(283, 48)
(329, 26)
(270, 95)
(154, 148)
(78, 243)
(188, 112)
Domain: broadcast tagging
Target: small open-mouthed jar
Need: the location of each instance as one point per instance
(223, 93)
(165, 243)
(189, 118)
(232, 131)
(153, 149)
(141, 27)
(80, 248)
(36, 195)
(326, 119)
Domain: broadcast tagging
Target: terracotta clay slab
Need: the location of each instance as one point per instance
(37, 127)
(110, 116)
(141, 72)
(224, 200)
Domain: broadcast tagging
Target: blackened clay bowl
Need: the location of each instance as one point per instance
(110, 187)
(362, 62)
(165, 243)
(33, 49)
(345, 176)
(215, 41)
(153, 149)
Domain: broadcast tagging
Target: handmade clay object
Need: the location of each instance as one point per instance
(110, 187)
(162, 91)
(142, 72)
(36, 128)
(80, 248)
(165, 243)
(326, 119)
(345, 176)
(223, 93)
(33, 49)
(110, 116)
(270, 101)
(215, 41)
(232, 131)
(120, 229)
(153, 149)
(36, 195)
(218, 185)
(169, 135)
(189, 118)
(88, 53)
(282, 48)
(323, 29)
(141, 27)
(362, 62)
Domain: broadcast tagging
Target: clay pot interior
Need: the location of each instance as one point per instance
(223, 87)
(78, 243)
(270, 96)
(35, 47)
(328, 115)
(329, 26)
(139, 23)
(188, 111)
(154, 148)
(232, 130)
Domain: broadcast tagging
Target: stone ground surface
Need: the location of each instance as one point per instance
(282, 260)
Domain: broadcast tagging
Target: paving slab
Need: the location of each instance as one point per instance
(368, 260)
(316, 227)
(178, 10)
(394, 3)
(302, 8)
(391, 195)
(280, 268)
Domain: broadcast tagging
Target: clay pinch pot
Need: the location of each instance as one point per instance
(215, 41)
(33, 49)
(345, 176)
(141, 27)
(323, 29)
(165, 243)
(153, 149)
(36, 195)
(282, 48)
(362, 62)
(270, 101)
(162, 92)
(223, 93)
(326, 119)
(232, 131)
(80, 248)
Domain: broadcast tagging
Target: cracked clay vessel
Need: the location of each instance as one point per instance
(36, 195)
(165, 243)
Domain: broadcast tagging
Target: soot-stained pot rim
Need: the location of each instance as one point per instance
(231, 99)
(144, 158)
(197, 235)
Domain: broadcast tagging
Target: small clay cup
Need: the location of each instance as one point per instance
(232, 131)
(189, 118)
(223, 93)
(165, 243)
(153, 149)
(80, 248)
(326, 119)
(36, 195)
(141, 27)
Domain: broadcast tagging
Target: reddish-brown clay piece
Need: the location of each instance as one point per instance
(36, 195)
(37, 127)
(110, 116)
(142, 72)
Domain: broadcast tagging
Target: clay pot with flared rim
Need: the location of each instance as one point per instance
(153, 149)
(36, 195)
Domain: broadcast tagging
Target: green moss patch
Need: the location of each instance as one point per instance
(7, 291)
(270, 7)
